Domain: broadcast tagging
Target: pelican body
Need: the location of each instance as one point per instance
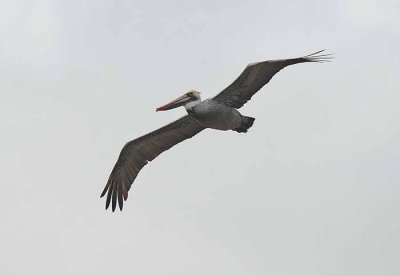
(210, 113)
(218, 113)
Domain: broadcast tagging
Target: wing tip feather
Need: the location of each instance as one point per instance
(319, 56)
(108, 200)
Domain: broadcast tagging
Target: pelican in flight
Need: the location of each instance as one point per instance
(219, 113)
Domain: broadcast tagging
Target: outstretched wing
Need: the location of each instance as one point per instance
(256, 75)
(137, 153)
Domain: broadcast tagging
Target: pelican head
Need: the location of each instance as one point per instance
(189, 100)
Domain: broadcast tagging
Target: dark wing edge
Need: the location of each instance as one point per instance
(137, 153)
(256, 75)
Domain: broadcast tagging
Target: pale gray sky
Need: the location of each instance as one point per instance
(312, 189)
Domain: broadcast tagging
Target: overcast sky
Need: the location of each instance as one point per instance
(312, 189)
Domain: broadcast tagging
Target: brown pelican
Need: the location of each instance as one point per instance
(219, 113)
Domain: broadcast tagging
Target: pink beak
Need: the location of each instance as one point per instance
(175, 103)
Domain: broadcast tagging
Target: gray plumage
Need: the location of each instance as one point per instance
(212, 114)
(216, 113)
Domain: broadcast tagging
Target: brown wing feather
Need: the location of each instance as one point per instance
(256, 75)
(137, 153)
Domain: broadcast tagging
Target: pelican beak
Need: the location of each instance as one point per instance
(175, 103)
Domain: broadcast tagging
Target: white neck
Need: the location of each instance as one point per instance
(192, 104)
